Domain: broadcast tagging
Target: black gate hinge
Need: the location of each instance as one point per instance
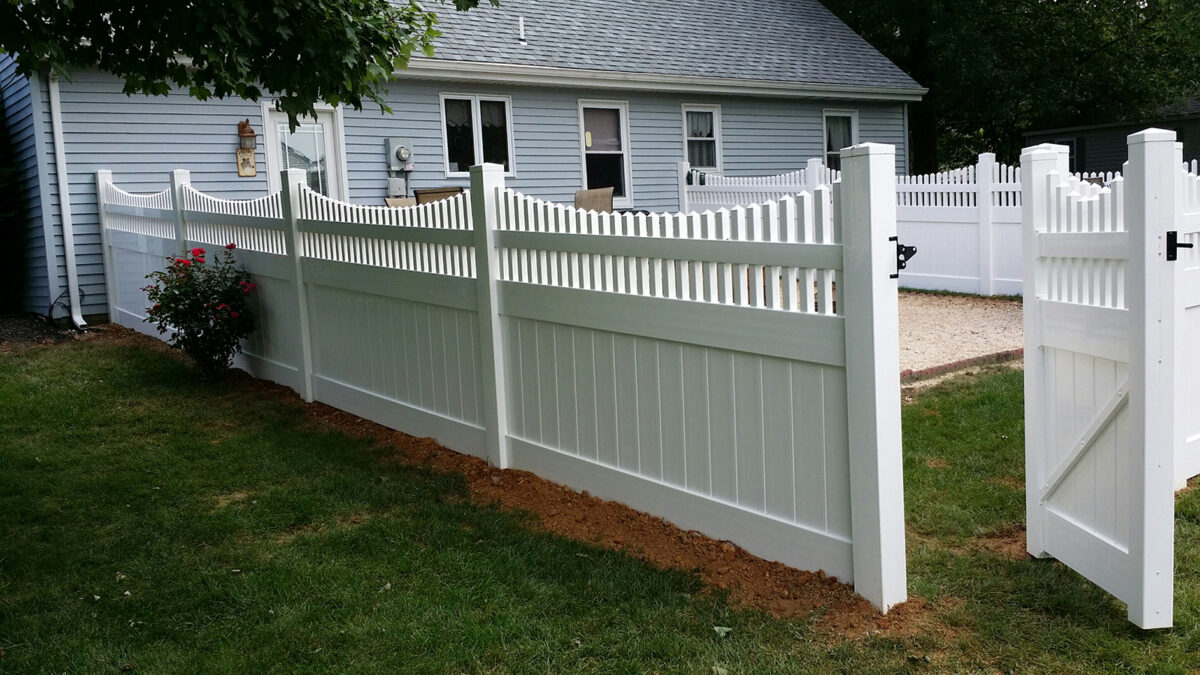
(903, 255)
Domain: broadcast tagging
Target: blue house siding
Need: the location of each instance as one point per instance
(16, 95)
(141, 139)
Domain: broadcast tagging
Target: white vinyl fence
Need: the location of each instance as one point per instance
(734, 372)
(1111, 395)
(965, 223)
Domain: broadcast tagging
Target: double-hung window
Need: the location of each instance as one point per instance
(476, 129)
(841, 131)
(702, 136)
(604, 128)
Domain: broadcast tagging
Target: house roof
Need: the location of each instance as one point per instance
(797, 42)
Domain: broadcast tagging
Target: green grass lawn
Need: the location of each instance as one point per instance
(175, 527)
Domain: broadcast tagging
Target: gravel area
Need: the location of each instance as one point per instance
(940, 329)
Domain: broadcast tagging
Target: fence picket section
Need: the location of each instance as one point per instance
(964, 222)
(694, 365)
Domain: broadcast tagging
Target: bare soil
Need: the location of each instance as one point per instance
(19, 332)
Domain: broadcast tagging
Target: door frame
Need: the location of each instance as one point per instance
(336, 142)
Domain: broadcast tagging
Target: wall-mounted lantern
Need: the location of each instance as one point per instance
(246, 137)
(247, 163)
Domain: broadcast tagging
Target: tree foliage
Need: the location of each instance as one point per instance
(996, 69)
(337, 51)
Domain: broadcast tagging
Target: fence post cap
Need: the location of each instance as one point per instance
(1045, 149)
(487, 167)
(869, 149)
(1151, 135)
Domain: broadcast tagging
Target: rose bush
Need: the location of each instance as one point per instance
(204, 305)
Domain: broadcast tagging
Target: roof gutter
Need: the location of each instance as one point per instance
(475, 71)
(64, 202)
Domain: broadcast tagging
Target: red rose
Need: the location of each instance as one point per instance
(181, 261)
(233, 315)
(230, 247)
(197, 251)
(222, 306)
(251, 286)
(200, 260)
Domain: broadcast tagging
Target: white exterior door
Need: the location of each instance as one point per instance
(312, 147)
(1100, 372)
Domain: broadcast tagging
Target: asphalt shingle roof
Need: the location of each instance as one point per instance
(796, 41)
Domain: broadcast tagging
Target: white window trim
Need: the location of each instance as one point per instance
(339, 148)
(837, 112)
(625, 202)
(477, 130)
(716, 112)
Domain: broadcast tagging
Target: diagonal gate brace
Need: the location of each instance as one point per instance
(1086, 440)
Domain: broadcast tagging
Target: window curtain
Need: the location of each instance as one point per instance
(839, 133)
(604, 125)
(494, 130)
(700, 124)
(460, 138)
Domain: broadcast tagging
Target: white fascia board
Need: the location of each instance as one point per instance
(474, 71)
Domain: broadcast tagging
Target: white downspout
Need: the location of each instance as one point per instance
(64, 202)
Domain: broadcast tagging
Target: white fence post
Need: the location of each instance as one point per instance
(103, 180)
(487, 182)
(179, 178)
(869, 296)
(684, 169)
(1037, 164)
(984, 178)
(813, 173)
(1151, 180)
(293, 180)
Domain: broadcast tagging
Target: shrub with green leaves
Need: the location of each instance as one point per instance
(204, 305)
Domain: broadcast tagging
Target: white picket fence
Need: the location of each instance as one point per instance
(734, 372)
(1111, 395)
(965, 223)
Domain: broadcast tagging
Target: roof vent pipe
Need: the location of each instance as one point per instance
(521, 30)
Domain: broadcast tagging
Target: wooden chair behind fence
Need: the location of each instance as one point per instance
(427, 195)
(600, 199)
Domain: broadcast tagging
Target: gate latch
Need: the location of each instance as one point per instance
(905, 253)
(1173, 245)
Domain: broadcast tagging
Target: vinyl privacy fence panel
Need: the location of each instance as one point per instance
(734, 372)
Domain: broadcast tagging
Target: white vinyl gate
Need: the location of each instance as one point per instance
(1100, 326)
(1187, 329)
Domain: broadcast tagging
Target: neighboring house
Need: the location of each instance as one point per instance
(1102, 147)
(596, 94)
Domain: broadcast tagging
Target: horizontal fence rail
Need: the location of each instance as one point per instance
(734, 372)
